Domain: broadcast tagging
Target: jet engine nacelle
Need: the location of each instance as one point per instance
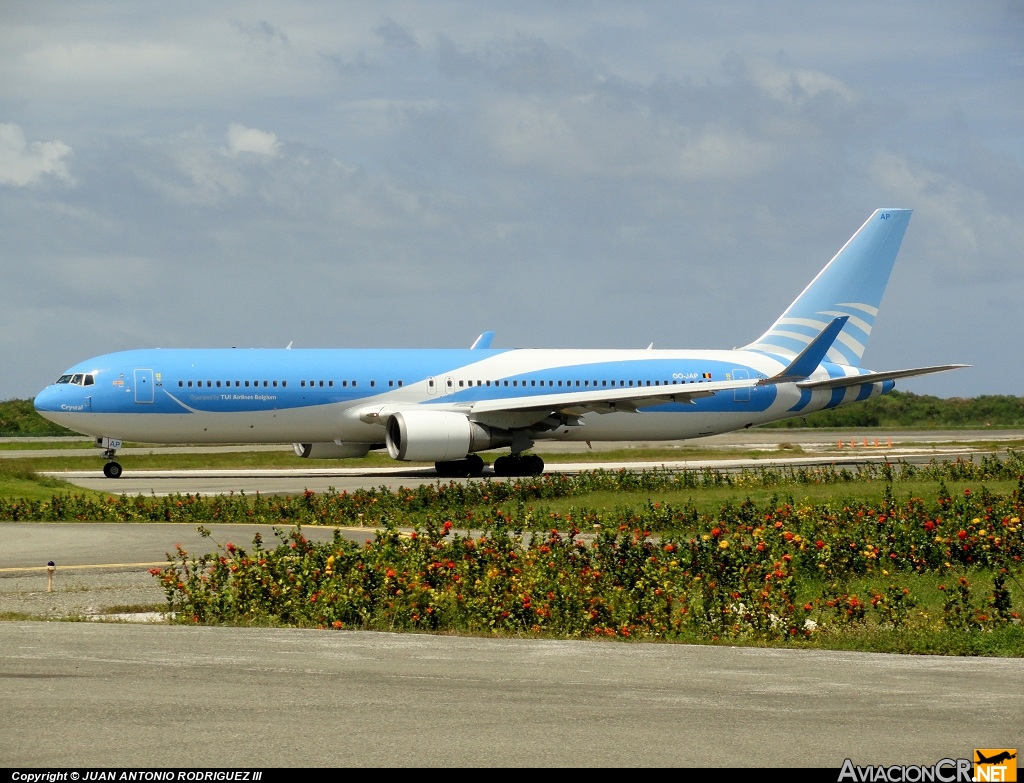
(438, 436)
(331, 450)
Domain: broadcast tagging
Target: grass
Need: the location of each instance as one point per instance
(709, 500)
(18, 479)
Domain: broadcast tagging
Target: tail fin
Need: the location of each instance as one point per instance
(850, 285)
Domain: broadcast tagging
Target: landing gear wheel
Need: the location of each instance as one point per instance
(502, 466)
(518, 465)
(473, 465)
(112, 470)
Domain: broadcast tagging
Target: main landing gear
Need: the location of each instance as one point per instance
(509, 465)
(469, 467)
(518, 465)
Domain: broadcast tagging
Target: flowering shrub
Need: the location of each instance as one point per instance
(771, 571)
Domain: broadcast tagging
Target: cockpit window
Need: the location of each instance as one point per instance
(79, 379)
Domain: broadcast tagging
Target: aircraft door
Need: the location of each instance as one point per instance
(144, 386)
(431, 386)
(742, 394)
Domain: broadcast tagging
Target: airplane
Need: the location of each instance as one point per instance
(447, 405)
(996, 759)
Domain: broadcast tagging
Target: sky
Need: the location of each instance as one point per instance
(571, 174)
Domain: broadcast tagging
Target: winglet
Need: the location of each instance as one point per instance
(809, 358)
(483, 341)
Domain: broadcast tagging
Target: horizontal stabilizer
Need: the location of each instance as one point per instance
(875, 377)
(809, 358)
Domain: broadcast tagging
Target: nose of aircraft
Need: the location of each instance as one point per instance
(46, 400)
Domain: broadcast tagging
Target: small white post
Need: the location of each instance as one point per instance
(50, 569)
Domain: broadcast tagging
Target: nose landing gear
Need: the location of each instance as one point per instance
(110, 446)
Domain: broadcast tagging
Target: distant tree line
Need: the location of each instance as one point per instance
(19, 418)
(897, 409)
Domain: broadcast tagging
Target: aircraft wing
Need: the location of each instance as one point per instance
(517, 411)
(875, 377)
(608, 400)
(514, 412)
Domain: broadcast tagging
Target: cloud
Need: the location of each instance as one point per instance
(242, 139)
(592, 136)
(23, 164)
(795, 86)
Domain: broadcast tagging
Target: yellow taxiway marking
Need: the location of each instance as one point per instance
(79, 567)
